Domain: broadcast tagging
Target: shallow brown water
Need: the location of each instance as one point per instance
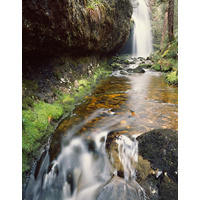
(133, 104)
(145, 97)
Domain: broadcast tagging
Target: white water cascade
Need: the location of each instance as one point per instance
(83, 167)
(142, 38)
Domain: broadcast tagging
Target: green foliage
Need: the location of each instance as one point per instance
(35, 123)
(92, 4)
(45, 109)
(143, 65)
(159, 8)
(95, 10)
(171, 54)
(26, 102)
(172, 78)
(166, 60)
(126, 62)
(115, 65)
(156, 67)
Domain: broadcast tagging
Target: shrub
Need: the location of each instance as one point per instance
(156, 67)
(172, 78)
(95, 10)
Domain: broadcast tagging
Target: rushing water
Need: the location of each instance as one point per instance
(142, 38)
(96, 149)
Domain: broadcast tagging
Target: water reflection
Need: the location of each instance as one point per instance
(153, 102)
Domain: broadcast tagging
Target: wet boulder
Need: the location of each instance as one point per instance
(122, 72)
(118, 189)
(160, 147)
(157, 164)
(135, 70)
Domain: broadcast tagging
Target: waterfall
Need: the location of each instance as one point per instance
(142, 38)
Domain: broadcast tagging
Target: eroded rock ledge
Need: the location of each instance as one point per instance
(73, 26)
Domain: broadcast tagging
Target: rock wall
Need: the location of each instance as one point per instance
(75, 26)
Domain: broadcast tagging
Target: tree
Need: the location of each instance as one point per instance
(171, 20)
(164, 26)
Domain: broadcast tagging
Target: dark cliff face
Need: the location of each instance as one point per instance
(73, 26)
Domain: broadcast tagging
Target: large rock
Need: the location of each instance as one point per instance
(157, 164)
(118, 189)
(160, 147)
(52, 27)
(135, 70)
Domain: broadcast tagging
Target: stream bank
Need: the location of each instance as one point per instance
(166, 61)
(51, 89)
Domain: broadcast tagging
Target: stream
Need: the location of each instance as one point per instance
(93, 153)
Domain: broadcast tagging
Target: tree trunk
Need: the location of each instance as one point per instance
(164, 27)
(171, 20)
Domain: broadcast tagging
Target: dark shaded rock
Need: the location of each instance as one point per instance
(52, 27)
(136, 70)
(128, 47)
(160, 147)
(141, 58)
(168, 189)
(118, 189)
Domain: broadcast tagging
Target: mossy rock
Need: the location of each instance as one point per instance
(136, 70)
(115, 66)
(156, 67)
(143, 65)
(126, 62)
(160, 147)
